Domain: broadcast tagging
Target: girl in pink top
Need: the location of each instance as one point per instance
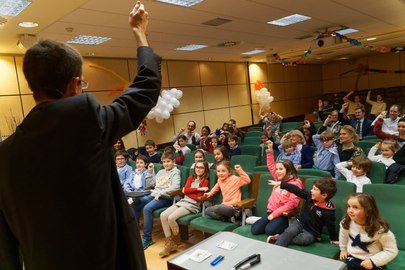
(280, 201)
(229, 185)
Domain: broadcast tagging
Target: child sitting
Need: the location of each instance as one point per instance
(327, 155)
(151, 154)
(280, 201)
(213, 144)
(220, 154)
(124, 170)
(229, 185)
(165, 180)
(360, 166)
(365, 240)
(233, 148)
(289, 152)
(138, 181)
(317, 212)
(199, 156)
(195, 187)
(181, 145)
(388, 149)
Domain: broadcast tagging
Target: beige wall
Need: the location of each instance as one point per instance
(213, 92)
(333, 82)
(295, 88)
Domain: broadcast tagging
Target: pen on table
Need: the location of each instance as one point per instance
(251, 263)
(217, 260)
(254, 259)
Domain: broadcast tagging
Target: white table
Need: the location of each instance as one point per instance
(272, 256)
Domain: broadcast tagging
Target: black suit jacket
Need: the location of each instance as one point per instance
(366, 127)
(61, 202)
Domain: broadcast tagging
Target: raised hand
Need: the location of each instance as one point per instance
(378, 144)
(383, 114)
(345, 105)
(237, 167)
(273, 183)
(138, 21)
(269, 144)
(181, 130)
(151, 167)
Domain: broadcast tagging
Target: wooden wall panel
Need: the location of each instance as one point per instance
(275, 72)
(215, 97)
(28, 103)
(183, 73)
(238, 95)
(242, 115)
(258, 71)
(181, 120)
(212, 73)
(8, 76)
(10, 108)
(236, 73)
(215, 118)
(191, 100)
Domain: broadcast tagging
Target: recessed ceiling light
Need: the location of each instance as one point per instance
(347, 31)
(253, 52)
(12, 7)
(191, 47)
(343, 58)
(88, 40)
(183, 3)
(28, 24)
(296, 18)
(372, 38)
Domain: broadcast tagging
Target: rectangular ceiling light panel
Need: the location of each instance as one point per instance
(347, 31)
(183, 3)
(191, 47)
(253, 52)
(12, 7)
(88, 40)
(296, 18)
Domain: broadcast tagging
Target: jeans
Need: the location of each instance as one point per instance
(149, 204)
(270, 227)
(295, 234)
(354, 264)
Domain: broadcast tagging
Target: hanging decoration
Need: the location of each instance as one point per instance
(351, 41)
(263, 96)
(142, 128)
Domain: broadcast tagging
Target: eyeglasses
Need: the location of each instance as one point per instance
(83, 84)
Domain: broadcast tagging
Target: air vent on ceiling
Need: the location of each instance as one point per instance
(304, 37)
(216, 22)
(228, 43)
(2, 21)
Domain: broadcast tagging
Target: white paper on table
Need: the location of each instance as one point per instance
(226, 245)
(199, 255)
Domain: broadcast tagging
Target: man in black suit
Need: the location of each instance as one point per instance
(361, 125)
(61, 202)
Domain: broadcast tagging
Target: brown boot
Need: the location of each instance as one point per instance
(177, 239)
(170, 246)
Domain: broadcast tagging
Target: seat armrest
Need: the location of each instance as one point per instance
(175, 192)
(246, 203)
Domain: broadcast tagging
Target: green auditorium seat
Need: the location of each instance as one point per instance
(247, 162)
(366, 145)
(314, 172)
(377, 173)
(390, 200)
(192, 147)
(255, 129)
(288, 126)
(254, 133)
(188, 159)
(252, 141)
(252, 150)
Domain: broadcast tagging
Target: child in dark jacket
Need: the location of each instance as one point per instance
(317, 212)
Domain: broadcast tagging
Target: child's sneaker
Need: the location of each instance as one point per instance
(272, 238)
(146, 243)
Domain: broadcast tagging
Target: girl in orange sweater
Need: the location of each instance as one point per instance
(229, 185)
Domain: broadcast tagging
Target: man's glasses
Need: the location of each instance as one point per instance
(83, 84)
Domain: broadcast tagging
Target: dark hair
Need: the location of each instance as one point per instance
(206, 170)
(233, 121)
(122, 144)
(200, 151)
(150, 143)
(360, 108)
(121, 153)
(168, 154)
(49, 66)
(326, 185)
(362, 163)
(142, 157)
(208, 128)
(224, 152)
(227, 124)
(290, 171)
(374, 222)
(183, 137)
(169, 148)
(233, 137)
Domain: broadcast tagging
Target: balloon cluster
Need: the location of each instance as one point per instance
(263, 95)
(168, 100)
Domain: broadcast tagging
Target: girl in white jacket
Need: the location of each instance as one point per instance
(388, 149)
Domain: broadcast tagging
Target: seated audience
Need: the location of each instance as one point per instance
(376, 106)
(361, 125)
(388, 149)
(306, 152)
(347, 144)
(331, 123)
(192, 137)
(326, 156)
(357, 175)
(289, 152)
(390, 124)
(124, 170)
(353, 105)
(233, 147)
(272, 120)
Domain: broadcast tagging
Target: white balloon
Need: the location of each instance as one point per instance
(176, 104)
(169, 107)
(179, 94)
(263, 90)
(173, 100)
(271, 99)
(158, 112)
(165, 114)
(173, 92)
(162, 105)
(159, 119)
(164, 92)
(257, 93)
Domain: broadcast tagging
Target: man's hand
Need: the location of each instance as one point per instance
(181, 130)
(345, 105)
(138, 21)
(383, 114)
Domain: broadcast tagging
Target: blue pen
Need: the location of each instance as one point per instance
(217, 260)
